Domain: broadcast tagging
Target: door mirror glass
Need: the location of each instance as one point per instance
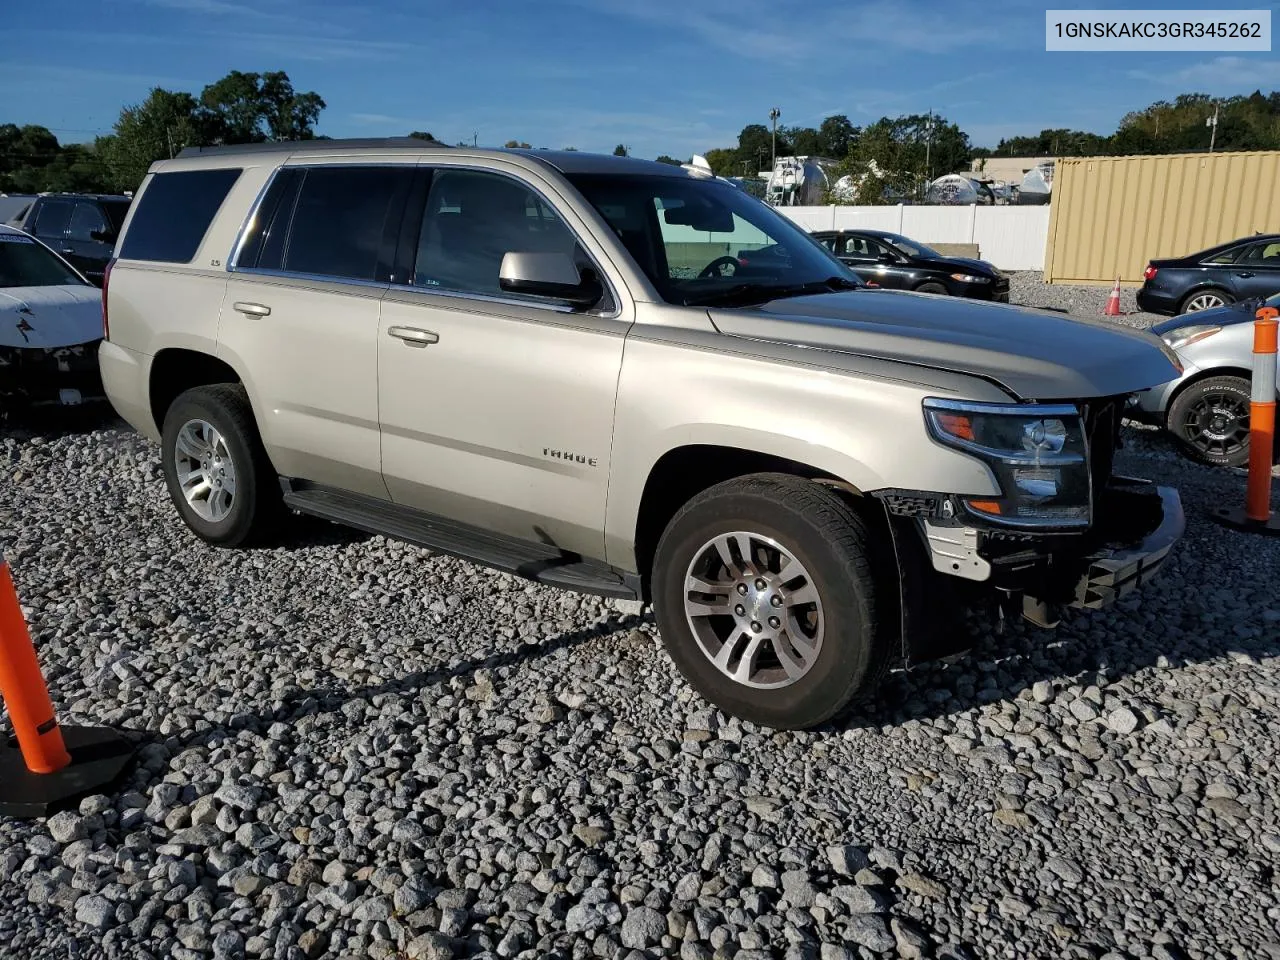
(548, 274)
(102, 236)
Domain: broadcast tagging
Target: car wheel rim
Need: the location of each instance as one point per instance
(1218, 423)
(1204, 301)
(205, 471)
(754, 610)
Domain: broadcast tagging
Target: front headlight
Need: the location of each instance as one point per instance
(1185, 336)
(970, 278)
(1036, 451)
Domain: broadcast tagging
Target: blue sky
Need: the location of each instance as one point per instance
(663, 76)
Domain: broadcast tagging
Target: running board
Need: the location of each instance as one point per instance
(540, 562)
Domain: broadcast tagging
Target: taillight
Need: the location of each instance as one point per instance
(1150, 272)
(106, 278)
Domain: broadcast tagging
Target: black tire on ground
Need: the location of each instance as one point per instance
(932, 287)
(851, 567)
(257, 505)
(1221, 294)
(1188, 405)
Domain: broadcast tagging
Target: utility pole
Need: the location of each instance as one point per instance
(928, 144)
(774, 114)
(475, 138)
(1213, 123)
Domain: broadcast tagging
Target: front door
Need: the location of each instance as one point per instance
(88, 249)
(300, 317)
(496, 409)
(1257, 271)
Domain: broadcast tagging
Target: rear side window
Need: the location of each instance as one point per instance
(174, 213)
(52, 218)
(344, 220)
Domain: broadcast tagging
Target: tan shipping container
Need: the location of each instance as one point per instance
(1110, 215)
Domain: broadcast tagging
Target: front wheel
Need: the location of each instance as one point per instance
(932, 287)
(771, 595)
(215, 467)
(1210, 419)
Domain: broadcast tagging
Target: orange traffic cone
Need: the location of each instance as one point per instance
(46, 766)
(1113, 302)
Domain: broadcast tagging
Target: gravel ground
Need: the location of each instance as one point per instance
(349, 747)
(1029, 289)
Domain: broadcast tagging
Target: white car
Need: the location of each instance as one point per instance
(50, 326)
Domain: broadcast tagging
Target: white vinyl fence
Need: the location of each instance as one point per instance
(1013, 238)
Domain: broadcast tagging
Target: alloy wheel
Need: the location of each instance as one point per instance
(205, 471)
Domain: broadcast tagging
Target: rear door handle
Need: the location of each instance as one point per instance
(252, 309)
(414, 336)
(1245, 275)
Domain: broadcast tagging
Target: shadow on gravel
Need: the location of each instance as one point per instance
(325, 700)
(51, 422)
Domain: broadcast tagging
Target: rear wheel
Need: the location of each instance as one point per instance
(1199, 300)
(931, 287)
(215, 467)
(769, 601)
(1210, 419)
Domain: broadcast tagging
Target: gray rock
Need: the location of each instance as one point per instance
(1122, 721)
(95, 911)
(797, 889)
(67, 827)
(860, 899)
(913, 943)
(871, 931)
(847, 860)
(430, 946)
(643, 928)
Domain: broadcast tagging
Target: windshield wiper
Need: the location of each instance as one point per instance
(744, 294)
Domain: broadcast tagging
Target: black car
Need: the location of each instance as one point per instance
(895, 262)
(81, 227)
(1238, 270)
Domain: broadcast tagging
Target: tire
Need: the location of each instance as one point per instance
(851, 572)
(255, 502)
(932, 287)
(1205, 419)
(1206, 298)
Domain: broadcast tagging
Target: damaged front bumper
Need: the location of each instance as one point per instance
(50, 376)
(1136, 524)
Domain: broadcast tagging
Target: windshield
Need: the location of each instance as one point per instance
(707, 242)
(910, 247)
(24, 263)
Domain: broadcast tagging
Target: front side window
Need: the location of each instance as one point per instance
(341, 220)
(702, 241)
(86, 219)
(25, 263)
(52, 219)
(1266, 254)
(472, 220)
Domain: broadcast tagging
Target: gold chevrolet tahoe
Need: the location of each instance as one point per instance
(630, 379)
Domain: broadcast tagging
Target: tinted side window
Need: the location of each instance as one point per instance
(86, 219)
(1265, 254)
(1227, 256)
(52, 218)
(263, 244)
(174, 214)
(342, 218)
(472, 220)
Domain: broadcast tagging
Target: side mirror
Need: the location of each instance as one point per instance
(886, 258)
(102, 236)
(550, 275)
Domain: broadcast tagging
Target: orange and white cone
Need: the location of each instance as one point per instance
(1113, 302)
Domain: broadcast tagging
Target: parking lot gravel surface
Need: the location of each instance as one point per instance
(350, 747)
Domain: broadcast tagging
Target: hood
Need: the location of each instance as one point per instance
(39, 317)
(1242, 311)
(1033, 354)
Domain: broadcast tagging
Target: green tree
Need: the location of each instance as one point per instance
(663, 158)
(421, 135)
(620, 150)
(157, 128)
(723, 162)
(516, 145)
(253, 107)
(837, 136)
(804, 141)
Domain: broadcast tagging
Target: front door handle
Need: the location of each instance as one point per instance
(252, 309)
(1245, 275)
(414, 336)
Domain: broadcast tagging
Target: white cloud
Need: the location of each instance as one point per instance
(1234, 73)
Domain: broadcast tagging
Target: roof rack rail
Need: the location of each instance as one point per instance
(310, 146)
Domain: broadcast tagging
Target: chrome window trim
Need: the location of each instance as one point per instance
(548, 305)
(242, 235)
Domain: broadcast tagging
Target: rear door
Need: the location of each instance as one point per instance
(497, 409)
(864, 254)
(86, 240)
(300, 316)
